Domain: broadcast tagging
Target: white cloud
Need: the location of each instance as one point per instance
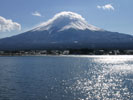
(106, 7)
(65, 20)
(36, 14)
(8, 25)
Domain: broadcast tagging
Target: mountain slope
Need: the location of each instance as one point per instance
(64, 31)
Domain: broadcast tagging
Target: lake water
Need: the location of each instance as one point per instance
(66, 78)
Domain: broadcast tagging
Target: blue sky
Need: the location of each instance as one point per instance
(112, 15)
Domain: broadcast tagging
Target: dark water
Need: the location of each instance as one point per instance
(66, 78)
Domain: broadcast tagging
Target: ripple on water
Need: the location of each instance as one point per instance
(66, 78)
(111, 82)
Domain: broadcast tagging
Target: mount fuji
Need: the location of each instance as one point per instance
(67, 30)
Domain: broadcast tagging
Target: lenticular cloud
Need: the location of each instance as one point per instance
(66, 20)
(8, 25)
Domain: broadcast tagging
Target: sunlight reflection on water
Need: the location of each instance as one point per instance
(108, 81)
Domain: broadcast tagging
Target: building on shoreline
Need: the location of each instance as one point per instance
(67, 52)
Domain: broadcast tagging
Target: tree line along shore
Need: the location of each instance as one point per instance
(67, 52)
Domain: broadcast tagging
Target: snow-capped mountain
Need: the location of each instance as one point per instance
(64, 21)
(67, 30)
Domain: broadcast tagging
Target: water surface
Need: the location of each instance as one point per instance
(66, 78)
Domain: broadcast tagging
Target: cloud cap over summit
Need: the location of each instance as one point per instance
(66, 20)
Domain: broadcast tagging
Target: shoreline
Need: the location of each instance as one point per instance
(63, 55)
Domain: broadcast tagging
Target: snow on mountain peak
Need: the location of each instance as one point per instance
(66, 20)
